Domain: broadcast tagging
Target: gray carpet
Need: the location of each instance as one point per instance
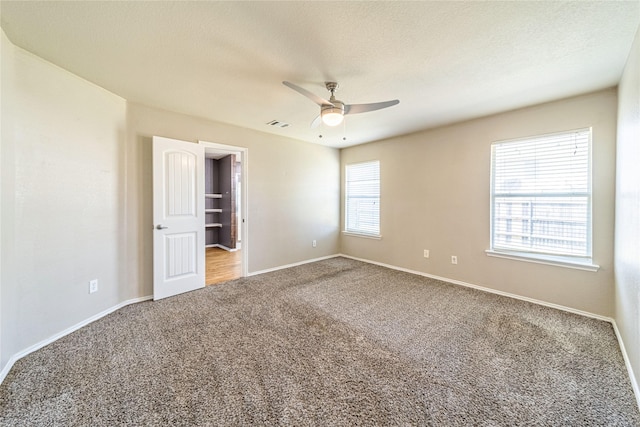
(333, 343)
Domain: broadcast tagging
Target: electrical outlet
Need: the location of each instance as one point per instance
(454, 259)
(426, 253)
(314, 244)
(93, 286)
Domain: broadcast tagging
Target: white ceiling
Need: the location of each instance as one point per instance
(225, 61)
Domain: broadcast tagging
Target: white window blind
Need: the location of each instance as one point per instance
(541, 195)
(362, 200)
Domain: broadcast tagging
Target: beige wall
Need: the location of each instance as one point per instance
(627, 240)
(62, 151)
(435, 195)
(293, 191)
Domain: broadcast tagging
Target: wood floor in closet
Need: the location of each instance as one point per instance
(222, 265)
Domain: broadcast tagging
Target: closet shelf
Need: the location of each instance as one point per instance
(213, 224)
(213, 196)
(213, 210)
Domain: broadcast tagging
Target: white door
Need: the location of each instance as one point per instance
(178, 217)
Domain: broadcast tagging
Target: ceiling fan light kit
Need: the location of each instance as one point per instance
(332, 115)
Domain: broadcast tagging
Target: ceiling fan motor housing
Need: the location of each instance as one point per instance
(337, 107)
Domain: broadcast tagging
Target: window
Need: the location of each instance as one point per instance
(362, 198)
(541, 197)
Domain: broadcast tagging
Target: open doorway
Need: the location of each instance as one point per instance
(225, 207)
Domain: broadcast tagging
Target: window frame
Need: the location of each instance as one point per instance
(583, 262)
(355, 232)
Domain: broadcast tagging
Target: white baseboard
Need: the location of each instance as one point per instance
(485, 289)
(39, 345)
(295, 264)
(627, 362)
(218, 245)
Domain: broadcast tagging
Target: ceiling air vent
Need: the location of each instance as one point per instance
(277, 123)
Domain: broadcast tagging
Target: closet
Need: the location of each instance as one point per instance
(220, 202)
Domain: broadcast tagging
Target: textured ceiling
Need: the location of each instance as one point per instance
(225, 61)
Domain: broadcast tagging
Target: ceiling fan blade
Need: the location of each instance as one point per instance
(363, 108)
(316, 122)
(312, 96)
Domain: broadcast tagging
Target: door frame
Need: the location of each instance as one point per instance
(244, 200)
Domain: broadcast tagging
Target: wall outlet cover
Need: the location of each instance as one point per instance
(93, 286)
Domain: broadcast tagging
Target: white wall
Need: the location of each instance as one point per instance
(627, 234)
(62, 151)
(435, 195)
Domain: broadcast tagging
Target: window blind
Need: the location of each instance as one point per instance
(362, 198)
(541, 195)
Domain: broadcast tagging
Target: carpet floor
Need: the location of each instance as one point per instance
(332, 343)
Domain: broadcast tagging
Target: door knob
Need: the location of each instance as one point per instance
(161, 227)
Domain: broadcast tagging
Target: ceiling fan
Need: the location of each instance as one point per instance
(332, 111)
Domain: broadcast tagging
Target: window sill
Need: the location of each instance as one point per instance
(366, 236)
(547, 260)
